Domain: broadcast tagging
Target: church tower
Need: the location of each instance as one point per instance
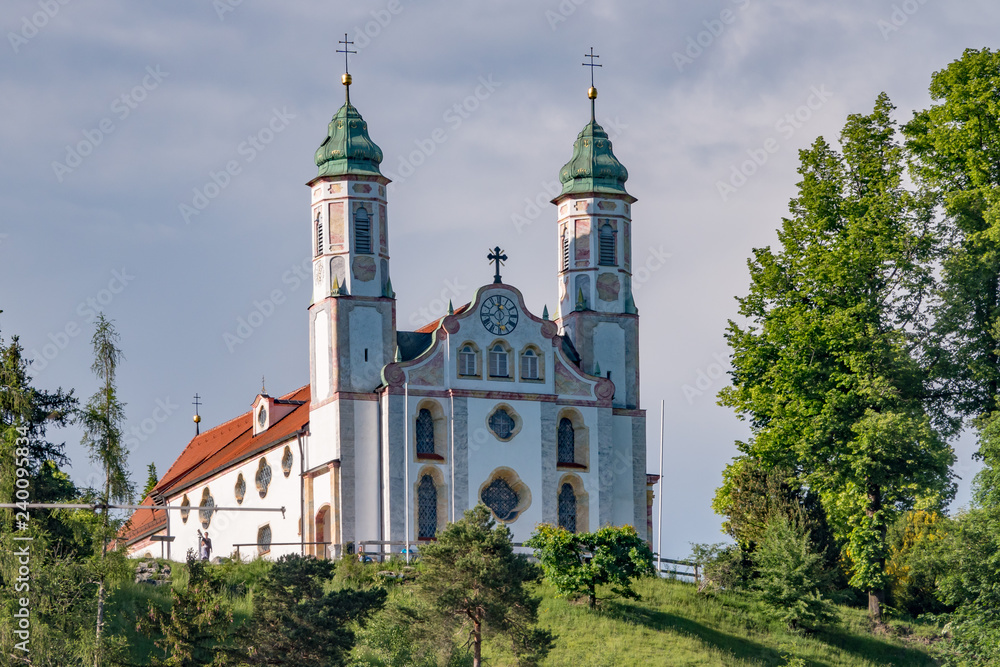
(596, 307)
(351, 319)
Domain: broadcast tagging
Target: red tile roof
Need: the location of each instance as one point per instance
(431, 327)
(213, 451)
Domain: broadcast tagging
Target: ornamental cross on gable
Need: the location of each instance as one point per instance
(497, 255)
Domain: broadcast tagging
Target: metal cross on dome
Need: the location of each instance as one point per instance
(347, 50)
(497, 255)
(592, 64)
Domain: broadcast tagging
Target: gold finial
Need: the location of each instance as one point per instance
(346, 78)
(197, 418)
(592, 93)
(263, 386)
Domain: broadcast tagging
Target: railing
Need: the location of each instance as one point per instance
(663, 567)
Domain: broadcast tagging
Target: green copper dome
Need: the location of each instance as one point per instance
(593, 167)
(347, 148)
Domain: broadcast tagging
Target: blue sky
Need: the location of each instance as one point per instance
(118, 115)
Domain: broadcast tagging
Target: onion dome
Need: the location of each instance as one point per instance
(593, 167)
(347, 148)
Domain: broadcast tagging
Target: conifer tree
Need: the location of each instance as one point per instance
(473, 579)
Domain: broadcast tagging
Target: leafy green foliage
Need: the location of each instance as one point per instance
(792, 577)
(826, 371)
(295, 622)
(955, 146)
(196, 631)
(577, 563)
(472, 579)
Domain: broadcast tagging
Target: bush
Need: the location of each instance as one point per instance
(791, 577)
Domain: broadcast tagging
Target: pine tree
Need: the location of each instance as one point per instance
(151, 480)
(473, 579)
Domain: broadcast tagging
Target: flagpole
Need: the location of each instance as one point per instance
(659, 518)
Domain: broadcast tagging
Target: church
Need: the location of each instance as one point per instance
(399, 432)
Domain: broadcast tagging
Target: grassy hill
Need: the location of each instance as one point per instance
(671, 625)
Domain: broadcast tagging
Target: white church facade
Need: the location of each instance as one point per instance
(399, 432)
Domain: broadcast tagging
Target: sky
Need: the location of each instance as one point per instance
(155, 156)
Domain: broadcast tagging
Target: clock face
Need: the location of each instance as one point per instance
(499, 315)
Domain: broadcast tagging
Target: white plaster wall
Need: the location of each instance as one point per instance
(366, 462)
(622, 474)
(609, 351)
(229, 528)
(522, 453)
(324, 427)
(365, 327)
(321, 341)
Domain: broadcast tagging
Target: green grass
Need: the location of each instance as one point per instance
(675, 625)
(671, 625)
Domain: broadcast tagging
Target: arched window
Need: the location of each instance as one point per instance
(319, 234)
(567, 508)
(565, 250)
(499, 362)
(185, 509)
(264, 539)
(567, 441)
(425, 433)
(502, 499)
(467, 361)
(286, 461)
(426, 508)
(362, 232)
(529, 365)
(502, 424)
(609, 255)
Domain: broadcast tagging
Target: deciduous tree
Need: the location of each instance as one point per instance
(577, 563)
(826, 370)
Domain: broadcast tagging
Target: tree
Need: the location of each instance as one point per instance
(196, 631)
(472, 579)
(752, 495)
(955, 146)
(151, 480)
(792, 576)
(103, 420)
(826, 370)
(296, 623)
(577, 563)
